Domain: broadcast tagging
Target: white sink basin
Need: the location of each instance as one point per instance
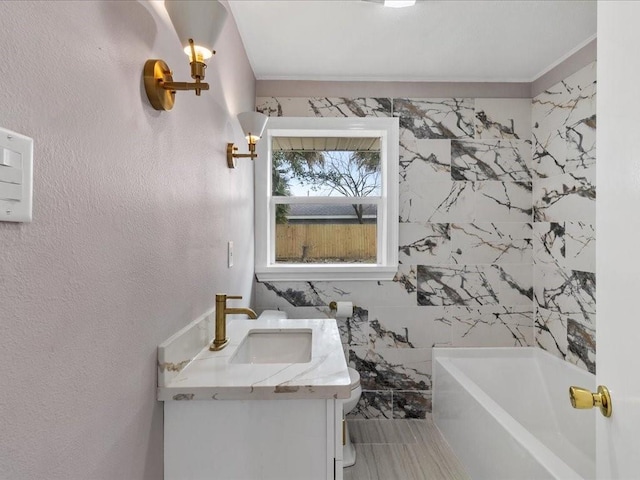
(286, 345)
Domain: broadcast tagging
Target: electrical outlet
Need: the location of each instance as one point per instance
(230, 254)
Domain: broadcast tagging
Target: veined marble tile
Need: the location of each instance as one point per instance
(496, 326)
(436, 118)
(406, 282)
(582, 345)
(570, 103)
(284, 295)
(581, 144)
(424, 159)
(437, 202)
(565, 149)
(503, 202)
(456, 285)
(571, 196)
(581, 246)
(569, 292)
(416, 404)
(506, 160)
(392, 368)
(503, 118)
(465, 202)
(424, 243)
(580, 88)
(551, 332)
(549, 243)
(412, 367)
(373, 405)
(408, 327)
(281, 295)
(399, 291)
(355, 329)
(549, 156)
(514, 284)
(567, 102)
(324, 107)
(473, 243)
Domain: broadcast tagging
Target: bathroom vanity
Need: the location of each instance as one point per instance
(268, 406)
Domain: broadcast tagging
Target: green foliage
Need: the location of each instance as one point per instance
(351, 174)
(280, 186)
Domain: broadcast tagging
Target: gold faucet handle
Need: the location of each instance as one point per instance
(223, 297)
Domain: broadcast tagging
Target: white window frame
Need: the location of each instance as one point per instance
(387, 223)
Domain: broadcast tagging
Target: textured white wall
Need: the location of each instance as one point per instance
(132, 212)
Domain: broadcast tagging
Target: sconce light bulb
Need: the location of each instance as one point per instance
(202, 53)
(252, 138)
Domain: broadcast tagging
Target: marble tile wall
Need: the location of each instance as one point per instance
(466, 246)
(564, 202)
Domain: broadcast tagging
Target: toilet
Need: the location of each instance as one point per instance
(349, 451)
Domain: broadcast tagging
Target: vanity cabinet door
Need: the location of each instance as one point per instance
(253, 439)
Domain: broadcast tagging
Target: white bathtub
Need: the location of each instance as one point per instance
(506, 413)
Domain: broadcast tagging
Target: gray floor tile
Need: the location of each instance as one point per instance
(425, 430)
(401, 450)
(436, 463)
(365, 465)
(436, 446)
(381, 431)
(386, 462)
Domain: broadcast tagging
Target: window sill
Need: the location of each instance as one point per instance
(329, 272)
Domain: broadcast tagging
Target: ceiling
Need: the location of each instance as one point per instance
(435, 40)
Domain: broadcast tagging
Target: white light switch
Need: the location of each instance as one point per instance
(230, 254)
(10, 191)
(16, 176)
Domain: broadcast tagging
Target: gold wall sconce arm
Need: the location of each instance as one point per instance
(198, 25)
(160, 87)
(232, 155)
(253, 125)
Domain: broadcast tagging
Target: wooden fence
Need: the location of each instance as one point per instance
(318, 242)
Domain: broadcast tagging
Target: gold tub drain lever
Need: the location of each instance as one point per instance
(583, 399)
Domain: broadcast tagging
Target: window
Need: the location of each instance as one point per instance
(326, 204)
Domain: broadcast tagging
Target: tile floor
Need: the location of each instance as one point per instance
(401, 450)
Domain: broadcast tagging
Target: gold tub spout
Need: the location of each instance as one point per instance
(220, 341)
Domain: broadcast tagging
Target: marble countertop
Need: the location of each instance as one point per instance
(210, 376)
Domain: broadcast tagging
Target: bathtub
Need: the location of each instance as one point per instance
(506, 413)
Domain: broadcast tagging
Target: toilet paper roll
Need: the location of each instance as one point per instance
(344, 309)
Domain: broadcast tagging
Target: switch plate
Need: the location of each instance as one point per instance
(16, 177)
(230, 254)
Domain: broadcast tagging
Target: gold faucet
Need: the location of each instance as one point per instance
(221, 340)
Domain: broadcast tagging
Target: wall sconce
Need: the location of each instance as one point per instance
(198, 25)
(252, 124)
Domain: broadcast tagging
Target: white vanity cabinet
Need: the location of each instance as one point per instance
(228, 418)
(253, 440)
